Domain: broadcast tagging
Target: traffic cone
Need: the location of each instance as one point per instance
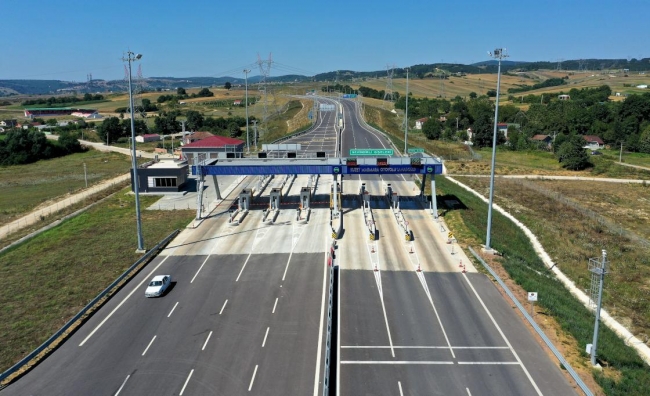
(411, 251)
(372, 248)
(461, 264)
(376, 269)
(419, 269)
(464, 270)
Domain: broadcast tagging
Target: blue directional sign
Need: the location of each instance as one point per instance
(309, 169)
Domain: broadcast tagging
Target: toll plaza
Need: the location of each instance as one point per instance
(361, 164)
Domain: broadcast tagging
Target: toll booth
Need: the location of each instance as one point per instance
(276, 198)
(305, 194)
(245, 199)
(338, 196)
(362, 188)
(388, 190)
(394, 201)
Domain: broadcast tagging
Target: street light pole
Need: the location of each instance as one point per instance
(248, 144)
(406, 114)
(131, 57)
(498, 54)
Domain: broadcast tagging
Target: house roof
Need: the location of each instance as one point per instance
(151, 135)
(199, 136)
(422, 119)
(214, 141)
(540, 137)
(593, 138)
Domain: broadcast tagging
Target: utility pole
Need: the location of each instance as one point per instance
(131, 57)
(255, 132)
(620, 156)
(598, 270)
(406, 114)
(85, 175)
(248, 143)
(499, 54)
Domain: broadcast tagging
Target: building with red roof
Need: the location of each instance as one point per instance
(213, 147)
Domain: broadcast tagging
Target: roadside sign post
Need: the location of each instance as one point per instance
(532, 297)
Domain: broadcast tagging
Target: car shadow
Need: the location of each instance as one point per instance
(169, 289)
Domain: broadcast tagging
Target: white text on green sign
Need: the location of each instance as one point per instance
(415, 150)
(371, 152)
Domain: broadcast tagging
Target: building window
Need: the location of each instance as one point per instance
(162, 182)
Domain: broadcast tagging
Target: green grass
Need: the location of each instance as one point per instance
(625, 373)
(33, 184)
(48, 279)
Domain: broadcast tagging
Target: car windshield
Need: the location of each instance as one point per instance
(155, 283)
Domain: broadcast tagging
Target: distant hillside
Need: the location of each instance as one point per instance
(434, 70)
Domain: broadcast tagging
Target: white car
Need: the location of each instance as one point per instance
(158, 285)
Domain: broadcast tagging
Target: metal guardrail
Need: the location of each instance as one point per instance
(89, 307)
(539, 331)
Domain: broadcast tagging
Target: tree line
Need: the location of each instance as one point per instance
(23, 147)
(63, 100)
(182, 94)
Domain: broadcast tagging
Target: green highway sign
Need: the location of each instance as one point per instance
(415, 150)
(354, 152)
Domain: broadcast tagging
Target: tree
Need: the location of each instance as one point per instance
(571, 154)
(482, 131)
(234, 130)
(110, 130)
(194, 120)
(166, 124)
(644, 141)
(69, 142)
(473, 95)
(205, 93)
(227, 85)
(432, 129)
(181, 91)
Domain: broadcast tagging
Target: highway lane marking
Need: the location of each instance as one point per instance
(468, 392)
(400, 362)
(145, 279)
(399, 384)
(338, 331)
(252, 379)
(244, 266)
(420, 347)
(186, 381)
(123, 383)
(147, 348)
(423, 281)
(265, 335)
(200, 268)
(503, 335)
(381, 298)
(274, 305)
(206, 341)
(491, 363)
(224, 306)
(170, 312)
(322, 319)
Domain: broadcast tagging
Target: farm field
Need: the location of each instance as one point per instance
(574, 220)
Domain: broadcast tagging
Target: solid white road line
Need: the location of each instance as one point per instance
(468, 392)
(419, 347)
(201, 267)
(338, 339)
(244, 266)
(265, 335)
(252, 379)
(224, 306)
(147, 348)
(399, 384)
(490, 363)
(275, 305)
(530, 378)
(206, 341)
(423, 280)
(421, 362)
(322, 319)
(145, 279)
(170, 312)
(390, 340)
(186, 381)
(123, 383)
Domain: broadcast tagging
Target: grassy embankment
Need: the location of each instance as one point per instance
(37, 184)
(51, 277)
(624, 372)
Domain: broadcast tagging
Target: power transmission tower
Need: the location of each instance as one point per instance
(388, 93)
(137, 93)
(89, 82)
(559, 64)
(265, 71)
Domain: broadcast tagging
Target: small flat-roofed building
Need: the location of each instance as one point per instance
(162, 176)
(149, 137)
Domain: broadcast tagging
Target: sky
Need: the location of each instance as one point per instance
(68, 39)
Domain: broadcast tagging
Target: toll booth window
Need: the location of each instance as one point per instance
(382, 161)
(351, 162)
